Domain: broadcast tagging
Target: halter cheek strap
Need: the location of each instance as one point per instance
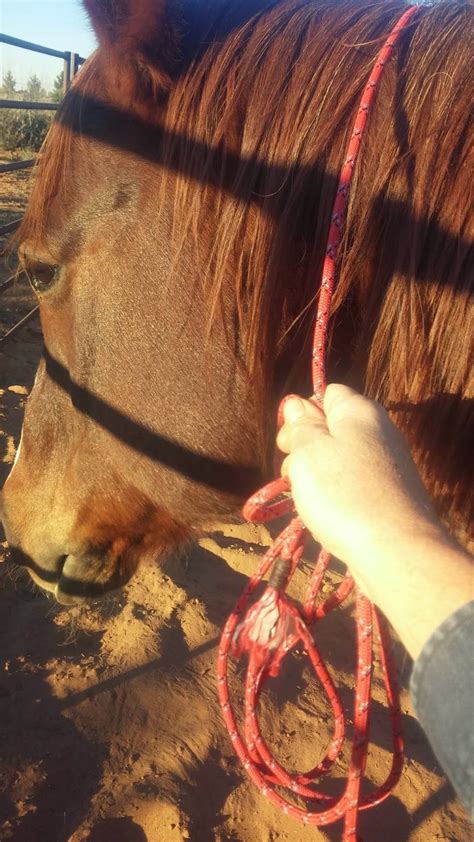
(274, 625)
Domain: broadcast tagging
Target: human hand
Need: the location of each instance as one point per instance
(353, 480)
(356, 488)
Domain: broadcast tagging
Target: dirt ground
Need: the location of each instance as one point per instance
(109, 725)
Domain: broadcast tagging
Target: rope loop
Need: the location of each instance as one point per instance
(269, 502)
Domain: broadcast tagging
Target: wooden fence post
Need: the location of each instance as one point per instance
(74, 64)
(67, 72)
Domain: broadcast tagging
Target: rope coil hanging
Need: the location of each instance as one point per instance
(271, 627)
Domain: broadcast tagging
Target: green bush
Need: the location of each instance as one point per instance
(23, 129)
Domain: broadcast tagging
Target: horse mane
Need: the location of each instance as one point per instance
(253, 134)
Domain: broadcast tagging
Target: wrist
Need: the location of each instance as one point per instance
(418, 579)
(393, 540)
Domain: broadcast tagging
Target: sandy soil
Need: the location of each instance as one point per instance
(109, 725)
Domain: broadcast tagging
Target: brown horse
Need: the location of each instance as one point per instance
(175, 237)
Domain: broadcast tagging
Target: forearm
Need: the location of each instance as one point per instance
(429, 578)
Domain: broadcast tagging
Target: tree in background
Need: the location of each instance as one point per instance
(56, 93)
(23, 129)
(9, 86)
(34, 90)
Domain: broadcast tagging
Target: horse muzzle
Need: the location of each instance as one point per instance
(68, 577)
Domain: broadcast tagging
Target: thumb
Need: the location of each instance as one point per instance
(303, 422)
(297, 409)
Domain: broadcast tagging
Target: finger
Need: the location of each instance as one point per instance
(300, 434)
(337, 397)
(307, 428)
(295, 409)
(283, 439)
(345, 408)
(284, 470)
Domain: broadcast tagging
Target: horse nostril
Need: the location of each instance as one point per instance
(61, 561)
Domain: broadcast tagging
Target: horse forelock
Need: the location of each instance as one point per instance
(251, 138)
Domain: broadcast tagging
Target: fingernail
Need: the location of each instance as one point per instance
(293, 408)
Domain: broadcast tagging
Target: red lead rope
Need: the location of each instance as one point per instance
(273, 625)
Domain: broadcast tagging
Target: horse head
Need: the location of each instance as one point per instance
(174, 238)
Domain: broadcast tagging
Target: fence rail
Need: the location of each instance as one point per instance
(27, 105)
(28, 45)
(17, 165)
(4, 285)
(16, 327)
(72, 61)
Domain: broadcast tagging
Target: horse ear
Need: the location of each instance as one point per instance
(143, 32)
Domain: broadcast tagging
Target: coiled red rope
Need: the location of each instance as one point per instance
(273, 625)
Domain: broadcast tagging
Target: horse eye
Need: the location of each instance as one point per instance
(42, 276)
